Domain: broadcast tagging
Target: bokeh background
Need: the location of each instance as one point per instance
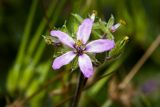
(25, 59)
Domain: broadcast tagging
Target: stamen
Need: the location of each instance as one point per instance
(78, 43)
(79, 47)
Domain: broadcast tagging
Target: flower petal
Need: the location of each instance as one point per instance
(63, 60)
(84, 30)
(63, 37)
(100, 45)
(85, 65)
(115, 27)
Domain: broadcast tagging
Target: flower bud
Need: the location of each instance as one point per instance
(50, 40)
(115, 27)
(118, 49)
(93, 15)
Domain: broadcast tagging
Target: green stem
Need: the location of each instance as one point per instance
(39, 52)
(49, 82)
(29, 71)
(37, 36)
(14, 72)
(58, 11)
(40, 29)
(27, 31)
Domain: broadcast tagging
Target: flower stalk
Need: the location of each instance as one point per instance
(80, 84)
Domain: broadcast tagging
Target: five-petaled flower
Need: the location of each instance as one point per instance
(80, 47)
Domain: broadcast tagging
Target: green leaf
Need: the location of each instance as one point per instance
(77, 17)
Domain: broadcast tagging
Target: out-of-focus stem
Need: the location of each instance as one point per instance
(39, 52)
(108, 103)
(58, 11)
(99, 83)
(42, 45)
(51, 81)
(43, 24)
(14, 72)
(40, 29)
(28, 73)
(139, 64)
(27, 31)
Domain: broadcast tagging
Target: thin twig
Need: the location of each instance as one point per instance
(139, 64)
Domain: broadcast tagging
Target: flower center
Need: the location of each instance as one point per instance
(79, 47)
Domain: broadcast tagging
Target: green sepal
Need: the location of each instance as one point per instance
(74, 64)
(96, 25)
(64, 28)
(118, 49)
(94, 60)
(59, 51)
(96, 35)
(50, 40)
(110, 36)
(110, 22)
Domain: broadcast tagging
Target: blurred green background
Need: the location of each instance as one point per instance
(25, 59)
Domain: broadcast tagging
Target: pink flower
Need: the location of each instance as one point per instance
(80, 48)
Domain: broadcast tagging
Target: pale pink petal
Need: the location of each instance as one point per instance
(84, 30)
(63, 60)
(63, 37)
(115, 27)
(100, 45)
(85, 65)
